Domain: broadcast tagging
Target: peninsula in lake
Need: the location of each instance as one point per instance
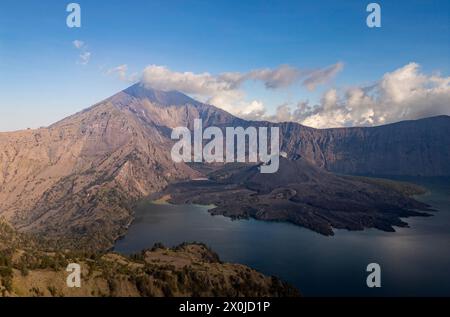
(302, 194)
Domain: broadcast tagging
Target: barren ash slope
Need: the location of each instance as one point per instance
(79, 177)
(78, 180)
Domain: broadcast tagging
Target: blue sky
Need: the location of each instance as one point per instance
(42, 79)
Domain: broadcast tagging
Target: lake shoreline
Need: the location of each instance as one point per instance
(316, 264)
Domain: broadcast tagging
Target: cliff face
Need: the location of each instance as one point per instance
(419, 147)
(80, 177)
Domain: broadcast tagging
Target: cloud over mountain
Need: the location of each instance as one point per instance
(406, 93)
(321, 76)
(225, 90)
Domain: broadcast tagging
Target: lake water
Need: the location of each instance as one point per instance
(414, 261)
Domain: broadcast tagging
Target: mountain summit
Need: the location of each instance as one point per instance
(81, 177)
(160, 97)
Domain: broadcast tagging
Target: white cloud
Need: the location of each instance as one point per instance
(160, 77)
(225, 90)
(281, 76)
(222, 91)
(121, 72)
(85, 55)
(78, 44)
(321, 76)
(403, 94)
(234, 102)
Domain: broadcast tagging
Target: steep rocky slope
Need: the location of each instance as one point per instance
(80, 177)
(76, 181)
(419, 147)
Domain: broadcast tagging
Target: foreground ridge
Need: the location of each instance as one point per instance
(27, 269)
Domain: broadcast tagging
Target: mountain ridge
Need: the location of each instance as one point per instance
(81, 176)
(416, 147)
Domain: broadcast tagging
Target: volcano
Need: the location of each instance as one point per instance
(78, 180)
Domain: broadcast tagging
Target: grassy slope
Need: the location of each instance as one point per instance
(27, 269)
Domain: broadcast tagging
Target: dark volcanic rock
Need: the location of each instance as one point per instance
(303, 194)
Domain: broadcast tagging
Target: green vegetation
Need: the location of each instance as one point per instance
(186, 270)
